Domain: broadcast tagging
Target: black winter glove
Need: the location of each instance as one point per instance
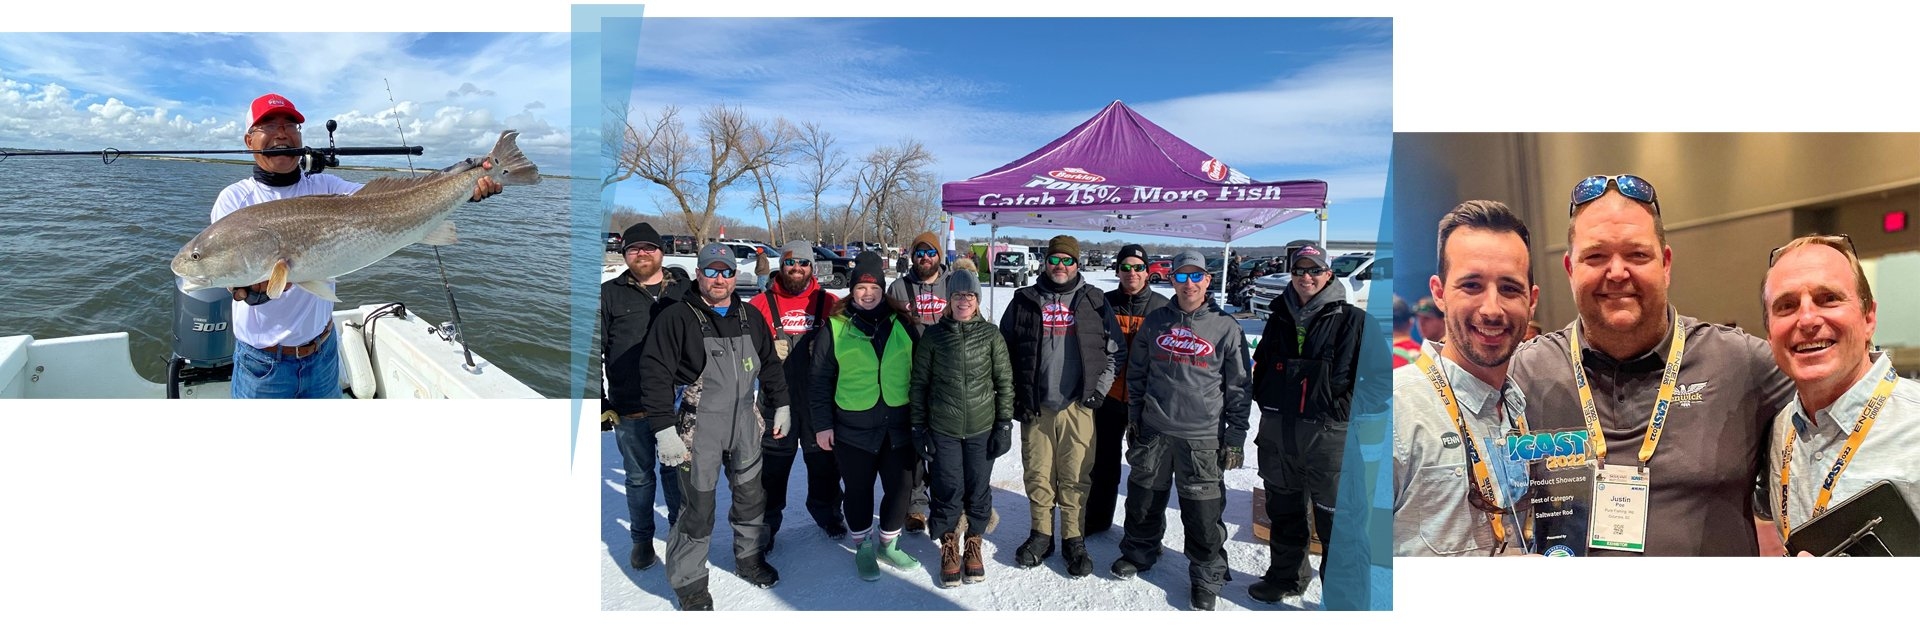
(1232, 458)
(1093, 402)
(923, 444)
(1001, 440)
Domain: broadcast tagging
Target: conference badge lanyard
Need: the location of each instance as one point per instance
(1482, 478)
(1875, 404)
(1620, 492)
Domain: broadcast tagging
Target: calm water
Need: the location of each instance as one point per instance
(84, 249)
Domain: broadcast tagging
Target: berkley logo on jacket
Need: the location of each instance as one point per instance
(929, 306)
(1184, 347)
(1056, 318)
(796, 321)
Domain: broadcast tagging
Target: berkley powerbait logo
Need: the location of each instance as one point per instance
(1076, 174)
(1562, 450)
(1182, 342)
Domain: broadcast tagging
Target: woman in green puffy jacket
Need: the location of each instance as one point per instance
(961, 407)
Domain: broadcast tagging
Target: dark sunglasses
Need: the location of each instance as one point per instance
(716, 272)
(1836, 241)
(1309, 271)
(1131, 268)
(808, 263)
(1629, 185)
(1185, 278)
(927, 252)
(1061, 260)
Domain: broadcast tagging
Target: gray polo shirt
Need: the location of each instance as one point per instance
(1891, 450)
(1431, 479)
(1708, 463)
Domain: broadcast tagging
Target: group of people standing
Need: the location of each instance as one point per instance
(910, 387)
(1700, 420)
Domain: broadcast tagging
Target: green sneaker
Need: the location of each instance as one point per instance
(891, 553)
(864, 559)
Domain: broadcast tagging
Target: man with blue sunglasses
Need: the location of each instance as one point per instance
(920, 295)
(722, 352)
(1303, 377)
(1683, 406)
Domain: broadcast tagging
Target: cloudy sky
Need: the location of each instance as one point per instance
(1276, 98)
(452, 92)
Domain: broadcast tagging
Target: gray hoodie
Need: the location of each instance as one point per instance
(1187, 375)
(1336, 290)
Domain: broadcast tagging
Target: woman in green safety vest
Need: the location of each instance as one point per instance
(866, 360)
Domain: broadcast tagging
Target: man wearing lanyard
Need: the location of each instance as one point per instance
(1820, 317)
(1683, 406)
(1455, 493)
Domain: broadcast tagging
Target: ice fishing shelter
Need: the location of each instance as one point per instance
(1120, 173)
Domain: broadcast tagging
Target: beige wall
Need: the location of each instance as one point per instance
(1726, 199)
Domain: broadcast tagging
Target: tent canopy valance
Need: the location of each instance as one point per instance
(1119, 172)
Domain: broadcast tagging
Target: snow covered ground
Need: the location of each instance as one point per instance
(817, 573)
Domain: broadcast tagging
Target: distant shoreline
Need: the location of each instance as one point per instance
(234, 161)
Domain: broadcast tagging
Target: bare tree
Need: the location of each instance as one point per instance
(823, 162)
(766, 177)
(695, 173)
(889, 183)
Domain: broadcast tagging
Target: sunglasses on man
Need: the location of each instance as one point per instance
(1131, 268)
(1839, 241)
(1309, 271)
(1061, 260)
(1591, 188)
(803, 263)
(927, 252)
(711, 273)
(1189, 278)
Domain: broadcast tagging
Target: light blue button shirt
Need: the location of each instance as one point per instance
(1891, 450)
(1431, 515)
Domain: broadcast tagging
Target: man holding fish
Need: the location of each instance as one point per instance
(279, 257)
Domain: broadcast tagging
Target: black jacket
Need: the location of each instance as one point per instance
(1313, 380)
(1130, 311)
(1095, 325)
(676, 354)
(626, 312)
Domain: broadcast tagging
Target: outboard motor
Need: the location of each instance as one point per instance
(202, 337)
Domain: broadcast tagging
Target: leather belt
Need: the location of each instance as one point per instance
(303, 350)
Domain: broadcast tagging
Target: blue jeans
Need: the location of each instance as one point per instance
(258, 374)
(641, 458)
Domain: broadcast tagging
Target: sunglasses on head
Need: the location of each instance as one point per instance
(1840, 242)
(927, 252)
(1131, 268)
(1629, 185)
(1185, 278)
(1061, 260)
(716, 272)
(790, 261)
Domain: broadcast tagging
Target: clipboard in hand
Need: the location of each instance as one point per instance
(1876, 522)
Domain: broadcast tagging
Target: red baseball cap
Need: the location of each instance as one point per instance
(270, 104)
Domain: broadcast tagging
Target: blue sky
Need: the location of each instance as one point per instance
(1276, 98)
(452, 92)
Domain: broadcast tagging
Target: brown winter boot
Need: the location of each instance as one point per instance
(976, 568)
(949, 560)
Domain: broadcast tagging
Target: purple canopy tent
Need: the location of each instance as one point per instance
(1118, 172)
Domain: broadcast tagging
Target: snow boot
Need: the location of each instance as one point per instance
(1125, 569)
(1075, 551)
(863, 559)
(1202, 599)
(890, 552)
(1038, 547)
(756, 572)
(916, 522)
(976, 569)
(643, 556)
(694, 597)
(1271, 592)
(949, 560)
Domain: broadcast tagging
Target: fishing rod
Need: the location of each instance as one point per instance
(317, 159)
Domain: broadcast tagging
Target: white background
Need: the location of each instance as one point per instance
(470, 515)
